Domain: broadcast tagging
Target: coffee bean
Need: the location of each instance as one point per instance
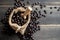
(50, 12)
(55, 7)
(50, 7)
(45, 12)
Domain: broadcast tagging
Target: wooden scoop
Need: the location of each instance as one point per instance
(27, 12)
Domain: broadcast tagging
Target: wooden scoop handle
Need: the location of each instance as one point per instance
(27, 12)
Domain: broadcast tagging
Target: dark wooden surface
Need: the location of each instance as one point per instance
(46, 33)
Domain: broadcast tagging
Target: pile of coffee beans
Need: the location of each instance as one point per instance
(16, 18)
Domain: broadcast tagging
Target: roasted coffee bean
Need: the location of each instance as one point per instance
(31, 5)
(50, 12)
(58, 9)
(36, 3)
(41, 7)
(23, 4)
(36, 9)
(50, 7)
(28, 2)
(55, 7)
(45, 12)
(43, 15)
(44, 5)
(39, 12)
(38, 27)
